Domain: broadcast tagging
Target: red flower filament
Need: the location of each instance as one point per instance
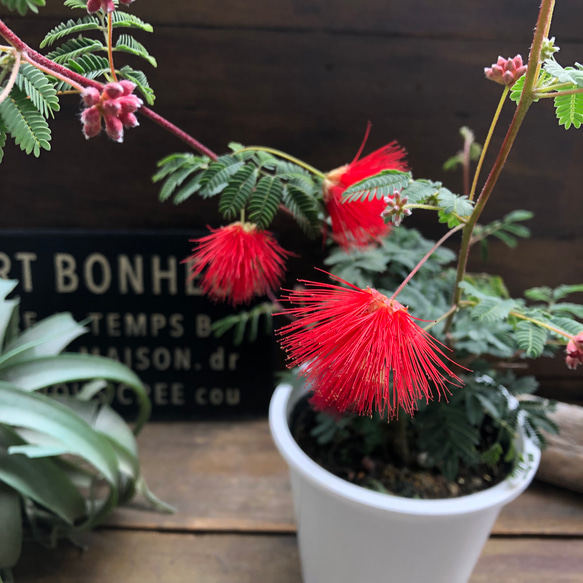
(356, 224)
(361, 351)
(237, 262)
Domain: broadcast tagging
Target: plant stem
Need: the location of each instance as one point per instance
(442, 317)
(38, 60)
(12, 78)
(558, 93)
(487, 142)
(284, 156)
(526, 99)
(425, 258)
(468, 140)
(54, 74)
(110, 46)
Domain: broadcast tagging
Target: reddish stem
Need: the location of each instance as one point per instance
(36, 57)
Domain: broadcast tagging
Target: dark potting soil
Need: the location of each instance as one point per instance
(382, 470)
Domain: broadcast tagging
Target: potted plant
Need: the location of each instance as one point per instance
(65, 462)
(403, 334)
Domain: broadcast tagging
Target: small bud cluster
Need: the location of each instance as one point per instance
(396, 210)
(105, 5)
(575, 351)
(506, 71)
(116, 105)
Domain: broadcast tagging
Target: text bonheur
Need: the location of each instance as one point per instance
(99, 275)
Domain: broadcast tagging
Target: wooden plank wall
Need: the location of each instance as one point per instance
(305, 76)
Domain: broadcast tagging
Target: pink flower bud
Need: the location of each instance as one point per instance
(91, 115)
(114, 128)
(506, 71)
(127, 86)
(95, 5)
(111, 107)
(90, 96)
(575, 351)
(129, 120)
(113, 90)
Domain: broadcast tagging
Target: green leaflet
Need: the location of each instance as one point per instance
(265, 200)
(378, 186)
(23, 6)
(236, 194)
(73, 48)
(25, 123)
(531, 338)
(39, 89)
(70, 27)
(569, 110)
(245, 323)
(127, 44)
(141, 81)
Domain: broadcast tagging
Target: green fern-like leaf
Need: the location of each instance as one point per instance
(419, 191)
(25, 123)
(563, 74)
(565, 290)
(218, 174)
(453, 204)
(237, 192)
(140, 79)
(81, 4)
(70, 27)
(88, 65)
(382, 184)
(265, 200)
(531, 338)
(73, 48)
(304, 208)
(2, 140)
(124, 20)
(567, 308)
(492, 309)
(127, 44)
(23, 6)
(569, 110)
(516, 91)
(296, 176)
(175, 169)
(246, 323)
(39, 89)
(567, 324)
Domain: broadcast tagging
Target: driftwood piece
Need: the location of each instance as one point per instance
(562, 462)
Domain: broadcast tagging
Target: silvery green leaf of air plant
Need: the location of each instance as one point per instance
(41, 480)
(39, 412)
(11, 531)
(46, 338)
(7, 308)
(63, 368)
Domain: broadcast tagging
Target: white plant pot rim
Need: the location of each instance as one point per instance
(498, 495)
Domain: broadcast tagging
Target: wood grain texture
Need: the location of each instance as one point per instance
(465, 19)
(138, 557)
(225, 477)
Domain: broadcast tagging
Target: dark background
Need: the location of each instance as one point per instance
(305, 76)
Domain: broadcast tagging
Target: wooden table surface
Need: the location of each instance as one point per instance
(235, 521)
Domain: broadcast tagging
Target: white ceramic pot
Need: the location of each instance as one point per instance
(348, 534)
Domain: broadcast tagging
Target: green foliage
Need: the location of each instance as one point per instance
(2, 139)
(569, 110)
(39, 89)
(140, 79)
(250, 180)
(25, 124)
(245, 324)
(378, 186)
(265, 200)
(453, 207)
(63, 495)
(63, 29)
(73, 48)
(531, 338)
(516, 90)
(127, 44)
(506, 230)
(23, 6)
(90, 66)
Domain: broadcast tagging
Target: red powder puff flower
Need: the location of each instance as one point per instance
(361, 351)
(356, 224)
(239, 262)
(575, 351)
(116, 105)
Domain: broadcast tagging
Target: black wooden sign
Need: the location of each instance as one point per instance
(143, 311)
